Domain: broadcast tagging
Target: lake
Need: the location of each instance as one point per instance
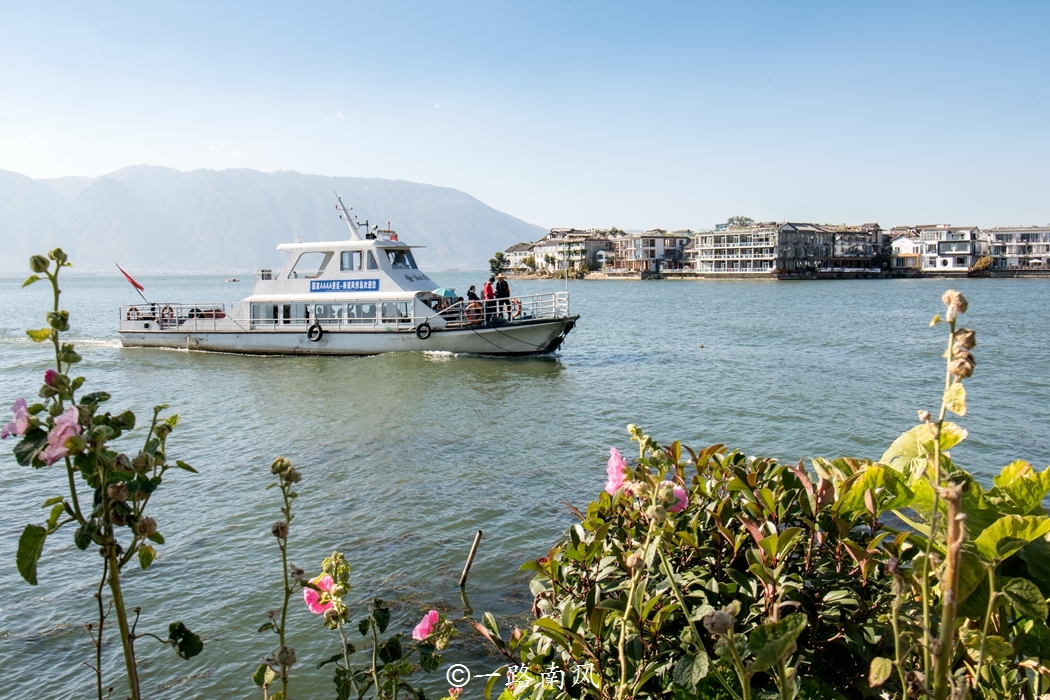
(405, 456)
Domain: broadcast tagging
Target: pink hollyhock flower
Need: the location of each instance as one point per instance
(20, 424)
(65, 427)
(313, 598)
(425, 626)
(680, 496)
(616, 472)
(49, 378)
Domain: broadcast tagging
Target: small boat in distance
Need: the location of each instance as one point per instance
(361, 296)
(232, 279)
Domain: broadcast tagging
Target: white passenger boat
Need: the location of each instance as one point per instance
(361, 296)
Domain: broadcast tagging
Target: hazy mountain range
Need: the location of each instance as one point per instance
(149, 218)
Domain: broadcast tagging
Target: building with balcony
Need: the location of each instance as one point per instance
(951, 249)
(787, 248)
(1019, 247)
(650, 251)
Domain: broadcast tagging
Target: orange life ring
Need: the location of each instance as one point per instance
(134, 314)
(515, 308)
(474, 312)
(167, 313)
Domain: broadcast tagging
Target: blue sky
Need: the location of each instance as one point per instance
(563, 113)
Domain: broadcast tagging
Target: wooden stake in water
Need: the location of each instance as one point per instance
(470, 560)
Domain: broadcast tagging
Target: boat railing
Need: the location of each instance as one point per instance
(382, 315)
(179, 316)
(511, 310)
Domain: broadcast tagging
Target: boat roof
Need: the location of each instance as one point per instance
(326, 246)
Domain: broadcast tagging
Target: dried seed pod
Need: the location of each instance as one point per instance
(118, 492)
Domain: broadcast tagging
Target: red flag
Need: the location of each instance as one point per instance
(134, 284)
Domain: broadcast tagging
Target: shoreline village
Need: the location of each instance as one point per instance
(745, 249)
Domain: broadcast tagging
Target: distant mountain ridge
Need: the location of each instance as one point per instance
(153, 218)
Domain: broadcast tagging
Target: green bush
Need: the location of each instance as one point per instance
(710, 574)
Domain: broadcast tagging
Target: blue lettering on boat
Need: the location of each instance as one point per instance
(344, 286)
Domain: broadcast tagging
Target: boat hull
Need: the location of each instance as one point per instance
(528, 338)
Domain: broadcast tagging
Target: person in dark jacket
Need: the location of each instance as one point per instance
(472, 295)
(502, 292)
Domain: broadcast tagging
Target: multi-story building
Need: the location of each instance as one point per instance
(517, 254)
(951, 248)
(1019, 247)
(738, 250)
(907, 250)
(786, 248)
(650, 251)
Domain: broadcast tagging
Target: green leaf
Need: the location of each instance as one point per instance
(690, 670)
(56, 513)
(84, 535)
(95, 397)
(1025, 597)
(1037, 641)
(146, 556)
(39, 336)
(30, 280)
(888, 489)
(263, 676)
(30, 547)
(182, 465)
(186, 643)
(381, 614)
(1008, 534)
(774, 642)
(918, 442)
(362, 627)
(31, 444)
(53, 500)
(155, 537)
(391, 650)
(880, 671)
(995, 647)
(955, 399)
(269, 626)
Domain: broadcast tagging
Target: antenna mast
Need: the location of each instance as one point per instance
(350, 221)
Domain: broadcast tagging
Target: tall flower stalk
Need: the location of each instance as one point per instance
(70, 430)
(278, 665)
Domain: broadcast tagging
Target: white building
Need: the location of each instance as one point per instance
(952, 248)
(1019, 247)
(907, 251)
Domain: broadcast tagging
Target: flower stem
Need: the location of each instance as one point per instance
(987, 620)
(935, 512)
(375, 656)
(126, 638)
(287, 586)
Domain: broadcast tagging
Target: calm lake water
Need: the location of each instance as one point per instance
(405, 456)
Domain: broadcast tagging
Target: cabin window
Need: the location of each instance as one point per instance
(360, 313)
(309, 265)
(328, 312)
(350, 260)
(295, 313)
(401, 259)
(264, 313)
(372, 263)
(395, 311)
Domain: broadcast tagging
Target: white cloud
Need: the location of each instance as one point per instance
(437, 106)
(339, 115)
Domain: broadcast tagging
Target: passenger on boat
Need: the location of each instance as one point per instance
(489, 296)
(472, 295)
(502, 297)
